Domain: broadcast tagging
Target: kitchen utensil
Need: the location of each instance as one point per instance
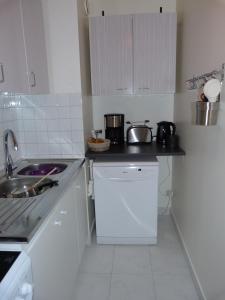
(31, 190)
(98, 145)
(96, 133)
(165, 129)
(138, 134)
(43, 178)
(212, 89)
(114, 128)
(25, 191)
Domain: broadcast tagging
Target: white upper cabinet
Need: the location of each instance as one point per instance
(23, 62)
(12, 52)
(111, 55)
(133, 54)
(34, 36)
(154, 40)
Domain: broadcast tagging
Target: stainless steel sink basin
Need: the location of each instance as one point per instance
(21, 187)
(41, 169)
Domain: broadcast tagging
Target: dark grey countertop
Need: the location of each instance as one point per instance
(135, 151)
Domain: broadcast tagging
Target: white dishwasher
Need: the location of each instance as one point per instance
(126, 201)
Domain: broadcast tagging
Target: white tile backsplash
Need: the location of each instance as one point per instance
(46, 126)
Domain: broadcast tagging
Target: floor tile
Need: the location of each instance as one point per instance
(132, 260)
(168, 260)
(166, 234)
(97, 259)
(174, 287)
(132, 287)
(168, 255)
(165, 221)
(92, 287)
(158, 272)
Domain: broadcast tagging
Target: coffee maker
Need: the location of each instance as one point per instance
(114, 128)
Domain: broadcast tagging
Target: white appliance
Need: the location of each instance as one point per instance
(126, 195)
(17, 282)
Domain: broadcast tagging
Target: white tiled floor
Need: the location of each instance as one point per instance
(137, 272)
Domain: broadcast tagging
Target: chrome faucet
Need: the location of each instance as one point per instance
(8, 158)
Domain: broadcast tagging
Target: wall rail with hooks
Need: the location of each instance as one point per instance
(197, 81)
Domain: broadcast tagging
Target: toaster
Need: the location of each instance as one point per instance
(139, 134)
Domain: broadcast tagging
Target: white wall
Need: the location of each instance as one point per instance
(198, 183)
(62, 42)
(85, 73)
(129, 6)
(137, 108)
(67, 42)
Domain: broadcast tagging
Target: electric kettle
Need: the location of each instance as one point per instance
(164, 130)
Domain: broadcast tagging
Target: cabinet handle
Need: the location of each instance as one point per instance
(2, 73)
(78, 187)
(144, 88)
(63, 212)
(58, 223)
(122, 89)
(33, 84)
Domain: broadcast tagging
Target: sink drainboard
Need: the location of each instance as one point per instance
(10, 210)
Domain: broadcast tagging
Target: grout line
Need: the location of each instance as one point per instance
(110, 284)
(152, 273)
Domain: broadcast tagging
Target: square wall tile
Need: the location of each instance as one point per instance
(49, 125)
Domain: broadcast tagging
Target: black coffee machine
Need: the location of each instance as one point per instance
(114, 128)
(165, 131)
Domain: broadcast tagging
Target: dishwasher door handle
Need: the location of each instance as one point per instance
(124, 179)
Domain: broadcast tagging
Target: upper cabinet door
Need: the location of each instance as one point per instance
(111, 55)
(13, 76)
(154, 39)
(34, 36)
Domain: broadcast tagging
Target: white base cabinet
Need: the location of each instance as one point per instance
(57, 249)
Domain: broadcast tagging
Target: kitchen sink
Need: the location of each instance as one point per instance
(41, 169)
(21, 187)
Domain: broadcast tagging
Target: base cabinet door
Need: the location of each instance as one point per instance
(54, 254)
(57, 249)
(47, 262)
